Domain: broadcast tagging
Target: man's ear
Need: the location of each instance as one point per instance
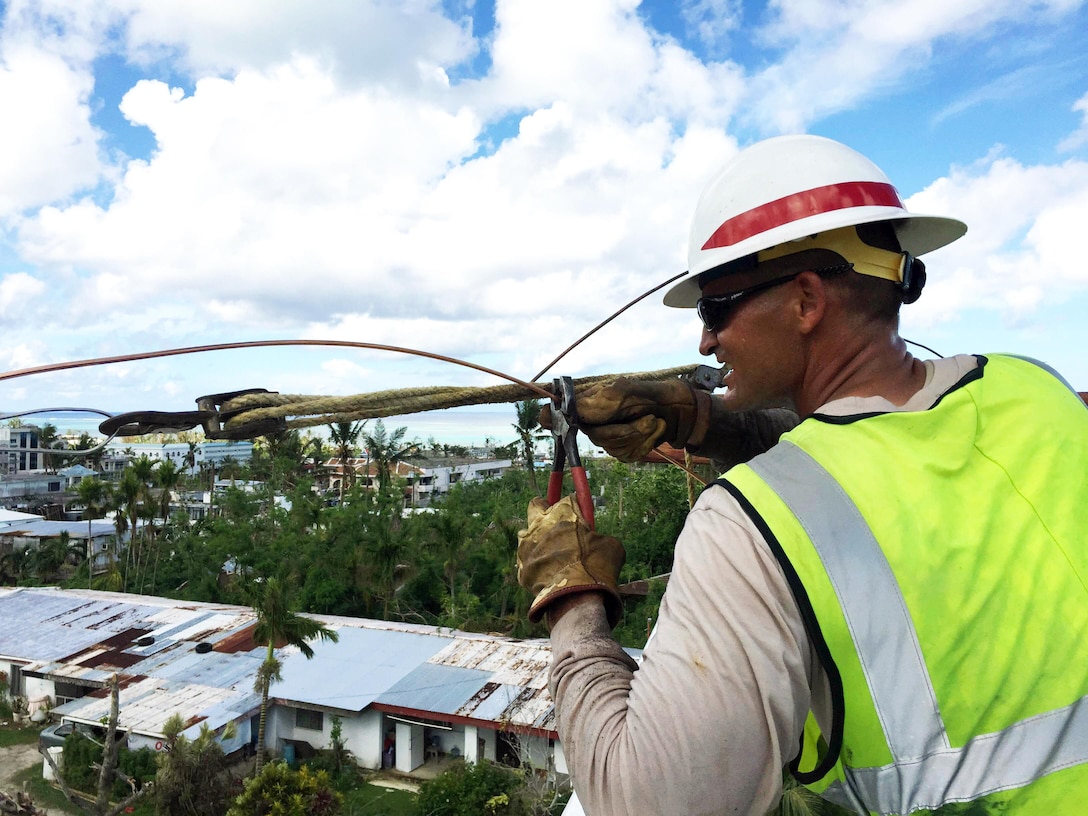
(811, 302)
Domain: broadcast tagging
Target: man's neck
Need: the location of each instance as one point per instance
(878, 365)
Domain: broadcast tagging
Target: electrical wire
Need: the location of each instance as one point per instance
(66, 451)
(149, 355)
(602, 324)
(927, 348)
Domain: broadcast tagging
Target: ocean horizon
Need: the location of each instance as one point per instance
(453, 426)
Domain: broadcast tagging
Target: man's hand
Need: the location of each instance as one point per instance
(629, 418)
(559, 555)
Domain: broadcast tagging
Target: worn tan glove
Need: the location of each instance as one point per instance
(629, 418)
(559, 555)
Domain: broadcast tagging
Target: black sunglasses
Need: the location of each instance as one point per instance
(715, 311)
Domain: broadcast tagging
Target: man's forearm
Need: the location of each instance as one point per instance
(733, 438)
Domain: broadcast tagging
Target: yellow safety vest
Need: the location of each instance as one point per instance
(940, 561)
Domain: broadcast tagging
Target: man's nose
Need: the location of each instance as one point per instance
(708, 342)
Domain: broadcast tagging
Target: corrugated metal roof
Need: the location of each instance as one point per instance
(437, 688)
(49, 529)
(149, 703)
(87, 636)
(353, 673)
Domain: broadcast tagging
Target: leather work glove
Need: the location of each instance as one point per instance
(629, 418)
(559, 555)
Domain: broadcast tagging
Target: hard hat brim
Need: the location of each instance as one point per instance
(917, 234)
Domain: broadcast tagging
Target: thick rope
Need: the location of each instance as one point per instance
(307, 411)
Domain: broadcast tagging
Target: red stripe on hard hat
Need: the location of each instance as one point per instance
(801, 205)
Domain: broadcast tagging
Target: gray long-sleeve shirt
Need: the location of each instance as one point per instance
(715, 710)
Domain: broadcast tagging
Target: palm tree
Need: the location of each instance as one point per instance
(316, 446)
(94, 495)
(132, 495)
(189, 461)
(50, 555)
(14, 566)
(277, 624)
(449, 532)
(47, 439)
(344, 437)
(386, 449)
(528, 428)
(167, 479)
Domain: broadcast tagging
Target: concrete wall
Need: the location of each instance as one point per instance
(363, 737)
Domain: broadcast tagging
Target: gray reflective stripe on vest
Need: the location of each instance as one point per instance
(927, 771)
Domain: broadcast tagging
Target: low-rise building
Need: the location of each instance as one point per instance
(209, 453)
(96, 537)
(427, 692)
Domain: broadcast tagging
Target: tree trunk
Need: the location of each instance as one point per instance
(266, 682)
(109, 753)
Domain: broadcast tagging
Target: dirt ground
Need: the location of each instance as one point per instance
(16, 758)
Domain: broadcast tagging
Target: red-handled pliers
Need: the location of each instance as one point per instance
(565, 431)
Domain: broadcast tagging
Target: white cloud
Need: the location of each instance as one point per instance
(712, 20)
(47, 151)
(321, 175)
(391, 44)
(598, 59)
(18, 295)
(1079, 137)
(1021, 250)
(835, 53)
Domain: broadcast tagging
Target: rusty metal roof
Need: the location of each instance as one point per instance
(84, 636)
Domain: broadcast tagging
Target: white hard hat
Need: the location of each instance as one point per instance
(790, 188)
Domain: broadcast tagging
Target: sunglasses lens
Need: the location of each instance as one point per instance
(711, 312)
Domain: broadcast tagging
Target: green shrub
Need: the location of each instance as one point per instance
(192, 777)
(280, 791)
(81, 755)
(473, 789)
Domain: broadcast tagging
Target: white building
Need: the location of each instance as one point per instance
(213, 453)
(431, 692)
(19, 450)
(439, 475)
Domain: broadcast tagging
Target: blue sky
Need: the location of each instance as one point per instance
(489, 180)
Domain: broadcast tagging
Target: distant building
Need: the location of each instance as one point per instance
(424, 479)
(208, 453)
(32, 533)
(439, 475)
(30, 484)
(19, 450)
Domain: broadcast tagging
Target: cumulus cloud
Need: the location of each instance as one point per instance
(18, 293)
(835, 54)
(375, 171)
(389, 44)
(47, 151)
(1079, 137)
(1020, 250)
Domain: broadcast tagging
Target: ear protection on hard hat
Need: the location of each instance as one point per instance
(912, 273)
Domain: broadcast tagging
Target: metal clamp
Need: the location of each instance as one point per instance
(210, 417)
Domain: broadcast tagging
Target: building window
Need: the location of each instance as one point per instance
(310, 720)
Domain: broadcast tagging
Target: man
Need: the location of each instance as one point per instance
(898, 584)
